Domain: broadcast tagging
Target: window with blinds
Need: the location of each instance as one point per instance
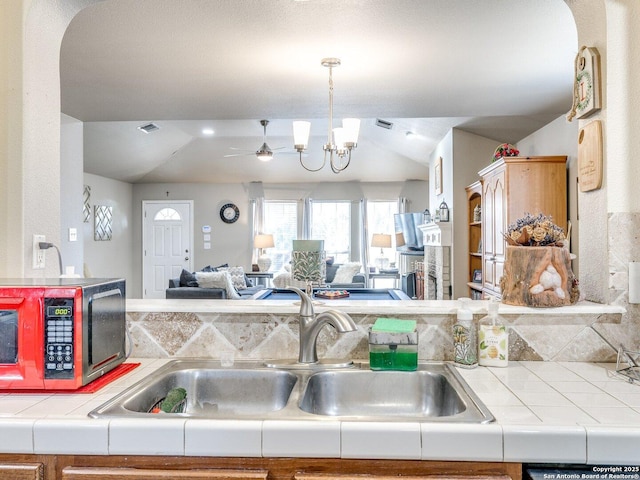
(281, 220)
(331, 222)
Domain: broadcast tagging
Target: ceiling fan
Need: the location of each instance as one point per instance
(264, 153)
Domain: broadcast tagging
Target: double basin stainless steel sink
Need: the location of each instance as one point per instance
(248, 390)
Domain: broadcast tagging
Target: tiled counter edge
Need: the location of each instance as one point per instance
(400, 441)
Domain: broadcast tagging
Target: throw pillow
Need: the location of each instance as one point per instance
(282, 279)
(188, 279)
(217, 280)
(237, 276)
(209, 268)
(346, 271)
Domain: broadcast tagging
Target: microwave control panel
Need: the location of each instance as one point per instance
(58, 338)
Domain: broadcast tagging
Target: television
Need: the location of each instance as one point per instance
(407, 223)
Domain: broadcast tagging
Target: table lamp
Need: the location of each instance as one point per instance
(381, 240)
(261, 242)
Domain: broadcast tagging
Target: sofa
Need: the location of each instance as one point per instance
(187, 286)
(356, 280)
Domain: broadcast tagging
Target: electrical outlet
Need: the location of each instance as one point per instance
(38, 255)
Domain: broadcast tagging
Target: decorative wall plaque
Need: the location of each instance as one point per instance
(103, 215)
(86, 206)
(590, 156)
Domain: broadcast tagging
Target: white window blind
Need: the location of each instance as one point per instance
(281, 220)
(331, 222)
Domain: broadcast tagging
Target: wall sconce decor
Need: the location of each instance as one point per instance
(103, 216)
(86, 207)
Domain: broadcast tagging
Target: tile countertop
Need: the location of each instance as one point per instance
(549, 412)
(396, 307)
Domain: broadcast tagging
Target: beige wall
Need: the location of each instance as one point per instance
(11, 34)
(30, 136)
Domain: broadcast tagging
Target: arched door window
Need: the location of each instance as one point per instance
(167, 214)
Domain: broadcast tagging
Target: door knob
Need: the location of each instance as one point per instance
(186, 258)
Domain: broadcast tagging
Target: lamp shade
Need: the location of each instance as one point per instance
(263, 241)
(339, 137)
(301, 132)
(381, 240)
(308, 245)
(351, 129)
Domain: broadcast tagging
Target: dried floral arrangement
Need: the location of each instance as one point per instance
(505, 150)
(535, 231)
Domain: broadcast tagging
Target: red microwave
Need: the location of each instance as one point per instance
(60, 334)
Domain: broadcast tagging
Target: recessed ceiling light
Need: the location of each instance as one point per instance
(207, 131)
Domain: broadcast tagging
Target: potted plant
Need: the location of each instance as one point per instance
(505, 150)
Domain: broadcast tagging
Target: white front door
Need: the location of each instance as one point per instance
(167, 244)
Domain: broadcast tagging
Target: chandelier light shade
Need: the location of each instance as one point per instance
(340, 140)
(301, 130)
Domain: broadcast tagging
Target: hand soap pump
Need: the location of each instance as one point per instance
(493, 349)
(465, 346)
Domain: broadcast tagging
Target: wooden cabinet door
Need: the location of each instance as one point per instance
(493, 218)
(115, 473)
(442, 476)
(22, 471)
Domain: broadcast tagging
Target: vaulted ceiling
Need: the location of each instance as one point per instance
(498, 68)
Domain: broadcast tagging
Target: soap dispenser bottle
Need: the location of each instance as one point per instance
(493, 338)
(465, 346)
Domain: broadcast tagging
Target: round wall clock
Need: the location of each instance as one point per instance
(229, 213)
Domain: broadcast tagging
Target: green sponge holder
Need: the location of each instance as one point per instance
(393, 345)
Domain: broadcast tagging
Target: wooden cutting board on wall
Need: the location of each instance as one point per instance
(590, 156)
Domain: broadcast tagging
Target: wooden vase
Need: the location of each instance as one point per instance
(538, 277)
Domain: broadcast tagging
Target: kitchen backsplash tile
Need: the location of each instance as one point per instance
(260, 336)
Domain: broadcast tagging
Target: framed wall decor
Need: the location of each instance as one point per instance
(587, 82)
(477, 276)
(438, 176)
(103, 217)
(86, 206)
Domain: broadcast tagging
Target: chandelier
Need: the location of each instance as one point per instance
(340, 140)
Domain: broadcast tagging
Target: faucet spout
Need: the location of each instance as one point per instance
(311, 324)
(310, 329)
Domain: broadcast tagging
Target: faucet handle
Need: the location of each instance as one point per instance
(306, 304)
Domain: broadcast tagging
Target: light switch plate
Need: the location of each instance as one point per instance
(73, 234)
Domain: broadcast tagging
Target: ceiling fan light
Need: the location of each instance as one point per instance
(352, 129)
(264, 156)
(301, 130)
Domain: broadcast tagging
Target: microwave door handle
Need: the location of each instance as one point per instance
(11, 302)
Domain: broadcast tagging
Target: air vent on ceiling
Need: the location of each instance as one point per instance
(384, 124)
(148, 128)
